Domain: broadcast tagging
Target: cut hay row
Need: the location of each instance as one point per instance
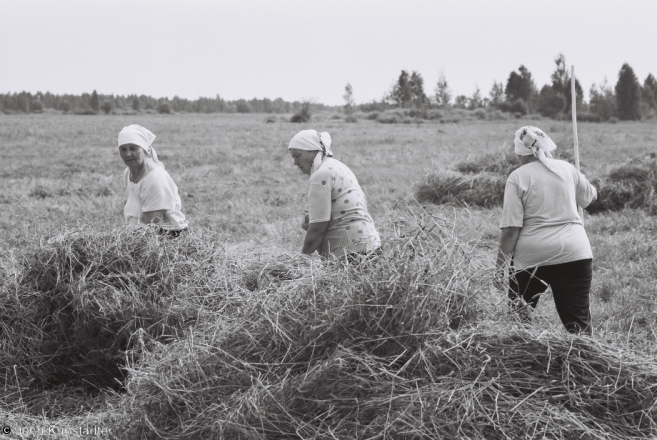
(479, 180)
(209, 343)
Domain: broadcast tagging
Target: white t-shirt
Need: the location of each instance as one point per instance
(155, 191)
(544, 205)
(334, 195)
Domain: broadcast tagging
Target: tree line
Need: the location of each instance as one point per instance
(94, 103)
(628, 100)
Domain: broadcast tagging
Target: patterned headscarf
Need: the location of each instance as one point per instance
(138, 135)
(312, 140)
(532, 140)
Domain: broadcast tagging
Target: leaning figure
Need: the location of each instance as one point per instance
(337, 223)
(152, 194)
(542, 233)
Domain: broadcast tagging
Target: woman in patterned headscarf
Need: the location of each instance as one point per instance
(337, 222)
(542, 234)
(151, 192)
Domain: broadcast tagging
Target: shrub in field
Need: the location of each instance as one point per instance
(164, 108)
(394, 116)
(303, 115)
(70, 313)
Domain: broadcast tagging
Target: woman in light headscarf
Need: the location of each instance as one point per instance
(337, 222)
(542, 234)
(152, 194)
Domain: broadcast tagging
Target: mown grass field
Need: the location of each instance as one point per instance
(242, 194)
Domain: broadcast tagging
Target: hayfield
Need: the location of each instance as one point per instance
(230, 333)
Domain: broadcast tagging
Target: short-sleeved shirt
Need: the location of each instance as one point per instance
(155, 191)
(335, 196)
(544, 204)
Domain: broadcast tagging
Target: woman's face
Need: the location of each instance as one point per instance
(303, 159)
(132, 155)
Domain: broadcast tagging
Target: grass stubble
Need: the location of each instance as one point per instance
(216, 336)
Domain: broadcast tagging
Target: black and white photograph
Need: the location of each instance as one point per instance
(328, 219)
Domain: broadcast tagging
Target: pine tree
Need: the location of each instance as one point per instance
(442, 93)
(496, 93)
(520, 85)
(94, 102)
(136, 104)
(401, 92)
(348, 99)
(561, 84)
(649, 92)
(628, 94)
(416, 86)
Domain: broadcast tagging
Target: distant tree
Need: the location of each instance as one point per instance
(303, 115)
(475, 101)
(602, 101)
(23, 102)
(136, 104)
(36, 106)
(348, 99)
(416, 86)
(551, 102)
(401, 91)
(520, 85)
(243, 106)
(496, 93)
(649, 92)
(461, 101)
(628, 94)
(94, 102)
(65, 106)
(106, 107)
(442, 93)
(561, 84)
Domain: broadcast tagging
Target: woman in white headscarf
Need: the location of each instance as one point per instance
(151, 192)
(337, 222)
(542, 234)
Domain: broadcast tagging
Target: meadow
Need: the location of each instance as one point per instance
(230, 333)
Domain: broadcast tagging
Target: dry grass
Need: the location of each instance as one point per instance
(230, 333)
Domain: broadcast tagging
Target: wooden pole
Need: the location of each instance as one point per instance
(573, 95)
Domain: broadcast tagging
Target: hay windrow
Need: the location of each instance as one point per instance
(479, 180)
(412, 343)
(70, 313)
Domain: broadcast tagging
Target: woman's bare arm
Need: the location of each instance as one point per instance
(314, 237)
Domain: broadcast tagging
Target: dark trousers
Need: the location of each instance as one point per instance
(570, 283)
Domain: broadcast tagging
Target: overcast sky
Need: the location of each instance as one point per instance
(310, 49)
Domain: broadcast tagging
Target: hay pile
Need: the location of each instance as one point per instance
(479, 180)
(410, 345)
(73, 307)
(629, 185)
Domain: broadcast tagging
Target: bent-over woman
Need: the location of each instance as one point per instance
(337, 222)
(542, 233)
(152, 195)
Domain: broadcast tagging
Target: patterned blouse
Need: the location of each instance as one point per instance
(335, 196)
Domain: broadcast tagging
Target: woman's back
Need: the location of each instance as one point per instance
(544, 204)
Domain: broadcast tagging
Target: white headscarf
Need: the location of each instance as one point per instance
(312, 140)
(532, 140)
(138, 135)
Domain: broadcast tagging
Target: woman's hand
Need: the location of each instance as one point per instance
(305, 222)
(152, 216)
